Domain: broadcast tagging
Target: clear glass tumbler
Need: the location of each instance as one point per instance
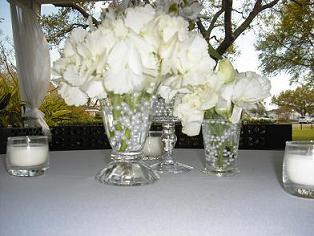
(221, 143)
(298, 168)
(27, 155)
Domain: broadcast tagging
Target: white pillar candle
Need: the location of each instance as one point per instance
(153, 147)
(31, 155)
(300, 168)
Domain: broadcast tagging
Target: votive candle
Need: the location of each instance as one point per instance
(153, 147)
(300, 168)
(31, 155)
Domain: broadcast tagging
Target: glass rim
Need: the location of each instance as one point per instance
(31, 137)
(206, 121)
(155, 131)
(300, 143)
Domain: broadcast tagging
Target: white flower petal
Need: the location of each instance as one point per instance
(226, 71)
(137, 17)
(72, 95)
(249, 89)
(191, 118)
(73, 76)
(236, 114)
(95, 89)
(134, 60)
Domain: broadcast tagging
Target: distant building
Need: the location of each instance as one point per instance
(279, 114)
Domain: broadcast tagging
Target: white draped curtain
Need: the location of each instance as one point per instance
(32, 58)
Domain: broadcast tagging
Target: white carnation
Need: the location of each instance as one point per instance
(95, 89)
(191, 117)
(249, 89)
(76, 38)
(73, 76)
(191, 107)
(72, 95)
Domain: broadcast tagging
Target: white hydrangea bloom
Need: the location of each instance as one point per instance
(193, 55)
(134, 52)
(172, 28)
(137, 17)
(173, 31)
(189, 64)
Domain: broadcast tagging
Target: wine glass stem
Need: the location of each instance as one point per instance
(169, 139)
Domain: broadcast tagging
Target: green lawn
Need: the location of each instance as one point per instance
(306, 133)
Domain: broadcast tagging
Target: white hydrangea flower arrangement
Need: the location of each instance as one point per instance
(142, 49)
(129, 52)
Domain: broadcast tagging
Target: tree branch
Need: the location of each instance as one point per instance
(202, 30)
(62, 32)
(230, 38)
(80, 9)
(6, 62)
(214, 37)
(269, 5)
(227, 5)
(213, 21)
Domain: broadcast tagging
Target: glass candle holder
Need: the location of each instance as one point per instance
(298, 168)
(27, 155)
(153, 147)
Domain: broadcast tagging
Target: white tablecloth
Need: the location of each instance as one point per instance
(68, 201)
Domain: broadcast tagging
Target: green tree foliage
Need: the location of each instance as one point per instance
(57, 25)
(288, 45)
(300, 100)
(11, 113)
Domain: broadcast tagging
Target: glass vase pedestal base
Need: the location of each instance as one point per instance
(220, 172)
(171, 167)
(126, 173)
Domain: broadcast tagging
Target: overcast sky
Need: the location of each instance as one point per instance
(247, 61)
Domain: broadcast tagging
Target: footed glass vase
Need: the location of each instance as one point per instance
(127, 122)
(221, 143)
(163, 113)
